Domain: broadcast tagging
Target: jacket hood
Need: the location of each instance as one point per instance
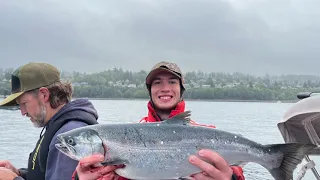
(76, 109)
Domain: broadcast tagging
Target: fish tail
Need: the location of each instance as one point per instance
(293, 153)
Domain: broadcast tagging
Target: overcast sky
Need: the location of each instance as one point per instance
(250, 36)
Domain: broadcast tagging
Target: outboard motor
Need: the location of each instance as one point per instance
(303, 95)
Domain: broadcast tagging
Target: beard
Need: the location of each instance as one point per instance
(39, 120)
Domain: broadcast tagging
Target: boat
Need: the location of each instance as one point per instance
(301, 124)
(11, 107)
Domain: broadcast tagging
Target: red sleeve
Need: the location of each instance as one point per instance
(237, 170)
(143, 120)
(122, 178)
(74, 175)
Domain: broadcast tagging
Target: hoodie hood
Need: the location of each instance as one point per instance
(76, 109)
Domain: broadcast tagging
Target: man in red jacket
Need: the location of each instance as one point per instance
(165, 84)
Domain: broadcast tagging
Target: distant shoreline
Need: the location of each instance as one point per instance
(205, 100)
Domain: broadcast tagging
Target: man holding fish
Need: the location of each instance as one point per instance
(165, 84)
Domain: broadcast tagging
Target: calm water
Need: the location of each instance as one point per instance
(256, 121)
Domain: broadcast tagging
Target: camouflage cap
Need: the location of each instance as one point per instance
(164, 66)
(28, 77)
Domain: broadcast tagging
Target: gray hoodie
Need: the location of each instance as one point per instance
(60, 166)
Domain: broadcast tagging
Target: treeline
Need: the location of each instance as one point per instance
(117, 83)
(235, 93)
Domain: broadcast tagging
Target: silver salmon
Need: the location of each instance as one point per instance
(160, 150)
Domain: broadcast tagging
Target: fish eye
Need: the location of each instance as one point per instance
(71, 141)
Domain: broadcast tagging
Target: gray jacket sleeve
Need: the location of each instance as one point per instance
(60, 166)
(23, 172)
(18, 178)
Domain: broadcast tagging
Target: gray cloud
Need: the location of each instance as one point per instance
(255, 37)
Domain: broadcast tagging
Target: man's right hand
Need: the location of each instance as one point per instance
(87, 171)
(8, 165)
(7, 174)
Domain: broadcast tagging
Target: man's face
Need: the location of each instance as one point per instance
(32, 107)
(165, 91)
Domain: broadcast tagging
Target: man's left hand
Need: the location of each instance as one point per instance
(217, 168)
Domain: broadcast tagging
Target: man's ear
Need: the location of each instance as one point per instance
(44, 94)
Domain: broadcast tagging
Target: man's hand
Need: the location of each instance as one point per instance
(7, 174)
(217, 168)
(8, 165)
(87, 170)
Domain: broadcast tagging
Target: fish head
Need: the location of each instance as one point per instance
(79, 143)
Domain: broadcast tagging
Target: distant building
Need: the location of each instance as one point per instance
(132, 85)
(206, 86)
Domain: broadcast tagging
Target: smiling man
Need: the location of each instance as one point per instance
(165, 83)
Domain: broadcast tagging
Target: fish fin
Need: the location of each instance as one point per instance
(116, 162)
(182, 118)
(293, 153)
